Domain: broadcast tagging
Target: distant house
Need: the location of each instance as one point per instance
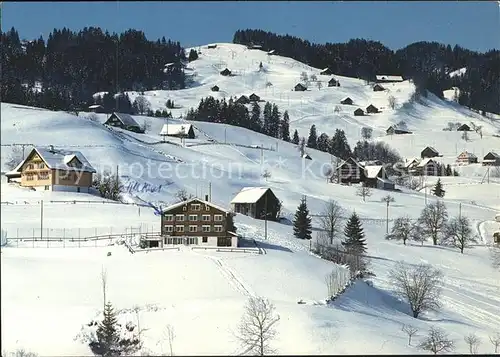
(466, 158)
(212, 46)
(464, 127)
(254, 97)
(326, 72)
(178, 130)
(427, 167)
(333, 83)
(347, 101)
(299, 87)
(225, 72)
(372, 109)
(491, 159)
(359, 112)
(307, 157)
(388, 79)
(378, 88)
(376, 177)
(195, 222)
(393, 129)
(243, 100)
(215, 88)
(410, 166)
(124, 121)
(254, 47)
(272, 52)
(96, 108)
(350, 171)
(252, 201)
(53, 170)
(429, 152)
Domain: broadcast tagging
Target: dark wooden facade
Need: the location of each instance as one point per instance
(378, 88)
(372, 109)
(215, 88)
(359, 112)
(254, 97)
(491, 159)
(350, 171)
(333, 83)
(347, 101)
(243, 100)
(299, 87)
(257, 209)
(124, 121)
(429, 152)
(225, 72)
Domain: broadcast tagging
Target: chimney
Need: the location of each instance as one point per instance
(206, 198)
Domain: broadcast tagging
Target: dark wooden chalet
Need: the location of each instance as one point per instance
(326, 72)
(333, 83)
(378, 88)
(395, 130)
(372, 109)
(350, 171)
(257, 202)
(254, 97)
(429, 152)
(215, 88)
(464, 127)
(359, 112)
(211, 46)
(124, 121)
(299, 87)
(376, 177)
(491, 159)
(243, 100)
(347, 101)
(226, 72)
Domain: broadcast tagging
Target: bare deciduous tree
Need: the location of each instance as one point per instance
(146, 126)
(402, 229)
(170, 332)
(93, 117)
(319, 85)
(183, 195)
(302, 146)
(141, 104)
(495, 341)
(337, 109)
(257, 326)
(392, 102)
(473, 342)
(410, 330)
(437, 341)
(15, 157)
(432, 220)
(331, 219)
(364, 192)
(458, 232)
(314, 78)
(420, 285)
(266, 174)
(465, 136)
(366, 133)
(304, 77)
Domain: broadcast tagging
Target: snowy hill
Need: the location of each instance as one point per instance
(202, 293)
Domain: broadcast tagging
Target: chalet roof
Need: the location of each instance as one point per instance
(346, 98)
(411, 162)
(463, 126)
(300, 85)
(253, 95)
(250, 194)
(182, 203)
(350, 159)
(126, 119)
(432, 149)
(370, 163)
(494, 154)
(58, 159)
(271, 52)
(377, 85)
(469, 155)
(95, 106)
(425, 162)
(372, 171)
(385, 77)
(332, 80)
(175, 129)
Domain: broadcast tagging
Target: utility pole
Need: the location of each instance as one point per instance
(460, 210)
(210, 191)
(116, 183)
(41, 220)
(225, 132)
(261, 154)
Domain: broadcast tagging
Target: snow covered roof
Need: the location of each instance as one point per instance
(249, 194)
(468, 154)
(58, 159)
(126, 119)
(271, 52)
(385, 77)
(95, 106)
(372, 171)
(424, 162)
(182, 203)
(175, 129)
(411, 162)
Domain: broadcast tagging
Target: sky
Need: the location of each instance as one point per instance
(473, 25)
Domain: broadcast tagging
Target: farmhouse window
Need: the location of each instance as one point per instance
(205, 218)
(169, 217)
(193, 228)
(217, 228)
(204, 239)
(169, 228)
(193, 217)
(179, 228)
(205, 228)
(218, 218)
(179, 217)
(195, 206)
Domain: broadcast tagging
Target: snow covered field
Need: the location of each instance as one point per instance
(202, 293)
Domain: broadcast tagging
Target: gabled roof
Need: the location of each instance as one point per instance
(377, 85)
(271, 52)
(58, 159)
(372, 171)
(126, 119)
(250, 194)
(253, 95)
(494, 154)
(301, 85)
(175, 129)
(346, 98)
(432, 149)
(385, 77)
(332, 80)
(412, 162)
(468, 154)
(95, 106)
(182, 203)
(350, 159)
(425, 162)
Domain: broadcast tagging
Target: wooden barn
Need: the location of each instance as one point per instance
(254, 97)
(384, 78)
(96, 108)
(226, 72)
(347, 101)
(359, 112)
(326, 72)
(212, 46)
(299, 87)
(333, 83)
(491, 159)
(393, 129)
(429, 152)
(257, 202)
(464, 127)
(378, 88)
(372, 109)
(243, 100)
(124, 121)
(466, 158)
(215, 88)
(178, 130)
(350, 171)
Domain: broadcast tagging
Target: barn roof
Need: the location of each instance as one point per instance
(425, 162)
(250, 194)
(58, 159)
(431, 148)
(468, 154)
(385, 77)
(126, 119)
(372, 171)
(175, 129)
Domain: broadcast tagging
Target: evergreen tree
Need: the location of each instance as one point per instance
(296, 138)
(302, 228)
(323, 142)
(108, 337)
(339, 146)
(355, 242)
(268, 110)
(438, 189)
(448, 170)
(285, 127)
(313, 137)
(274, 124)
(193, 55)
(255, 116)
